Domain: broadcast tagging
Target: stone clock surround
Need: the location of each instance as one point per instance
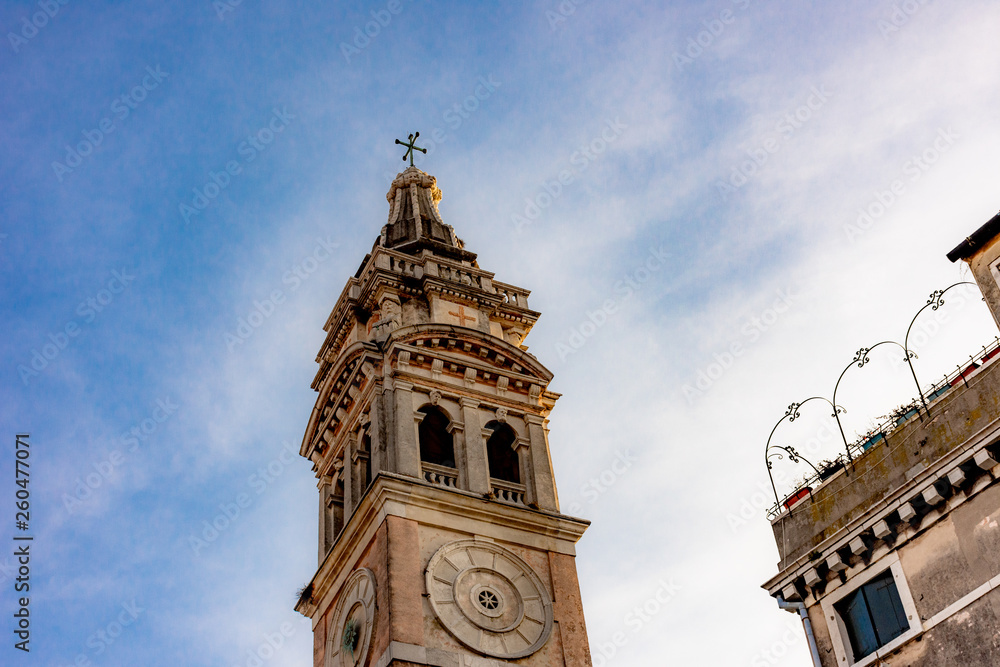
(489, 599)
(357, 607)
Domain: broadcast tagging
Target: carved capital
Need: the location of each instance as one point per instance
(537, 420)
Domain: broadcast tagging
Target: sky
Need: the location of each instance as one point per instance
(715, 204)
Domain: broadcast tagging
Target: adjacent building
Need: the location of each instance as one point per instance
(440, 536)
(895, 560)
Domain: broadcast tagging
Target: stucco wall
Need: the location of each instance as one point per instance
(949, 561)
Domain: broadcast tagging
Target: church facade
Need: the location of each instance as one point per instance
(441, 541)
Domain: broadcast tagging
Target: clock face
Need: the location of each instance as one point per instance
(489, 599)
(348, 638)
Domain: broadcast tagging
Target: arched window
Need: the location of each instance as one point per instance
(500, 453)
(436, 445)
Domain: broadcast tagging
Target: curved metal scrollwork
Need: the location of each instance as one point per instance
(793, 456)
(934, 301)
(791, 414)
(860, 359)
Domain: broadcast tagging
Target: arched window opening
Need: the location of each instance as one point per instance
(500, 453)
(436, 444)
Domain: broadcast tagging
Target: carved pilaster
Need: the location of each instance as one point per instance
(522, 446)
(378, 433)
(541, 464)
(406, 445)
(457, 431)
(474, 461)
(325, 523)
(348, 474)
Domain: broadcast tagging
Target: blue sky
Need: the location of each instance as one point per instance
(741, 165)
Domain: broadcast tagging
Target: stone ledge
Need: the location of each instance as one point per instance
(456, 509)
(434, 657)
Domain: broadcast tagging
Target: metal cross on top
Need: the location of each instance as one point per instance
(411, 146)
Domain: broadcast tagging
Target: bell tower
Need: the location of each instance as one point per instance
(440, 536)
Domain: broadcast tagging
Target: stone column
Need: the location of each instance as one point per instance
(540, 472)
(377, 432)
(457, 431)
(407, 452)
(473, 464)
(347, 472)
(361, 460)
(522, 447)
(325, 526)
(336, 509)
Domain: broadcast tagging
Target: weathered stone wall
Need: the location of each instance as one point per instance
(376, 559)
(568, 610)
(949, 561)
(967, 639)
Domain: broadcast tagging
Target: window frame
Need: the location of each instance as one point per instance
(425, 411)
(995, 271)
(511, 457)
(838, 629)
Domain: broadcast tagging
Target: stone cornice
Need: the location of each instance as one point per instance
(418, 275)
(409, 335)
(356, 376)
(453, 509)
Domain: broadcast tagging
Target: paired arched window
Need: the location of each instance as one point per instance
(500, 453)
(436, 443)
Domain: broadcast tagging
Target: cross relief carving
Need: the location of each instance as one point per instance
(462, 317)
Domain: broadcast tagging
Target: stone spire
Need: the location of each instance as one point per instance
(414, 220)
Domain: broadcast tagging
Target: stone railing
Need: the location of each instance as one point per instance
(511, 295)
(440, 475)
(507, 492)
(407, 267)
(458, 275)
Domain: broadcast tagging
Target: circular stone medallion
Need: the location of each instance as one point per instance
(348, 639)
(489, 599)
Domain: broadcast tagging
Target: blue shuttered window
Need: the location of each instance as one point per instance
(873, 615)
